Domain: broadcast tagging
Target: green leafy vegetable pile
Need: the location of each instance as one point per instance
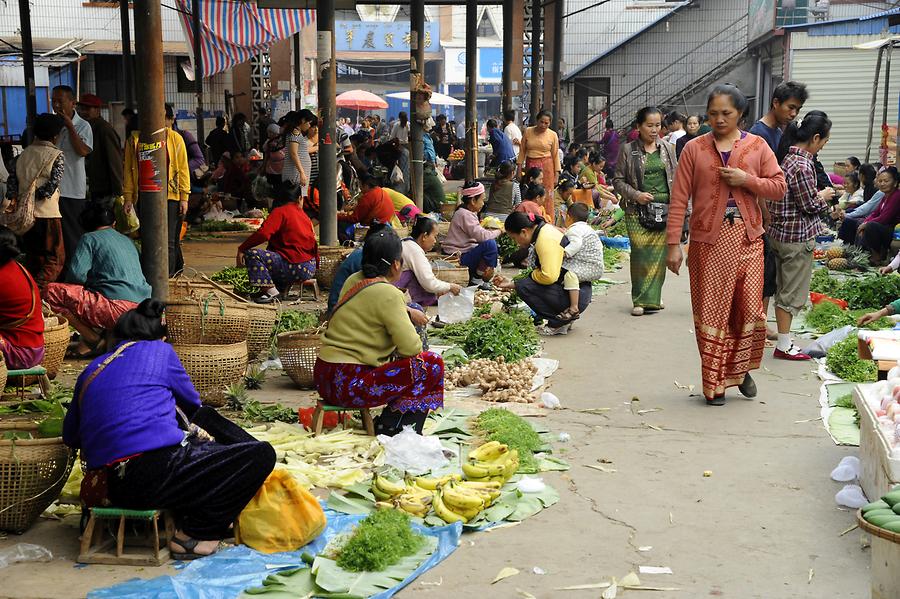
(292, 320)
(52, 411)
(218, 226)
(508, 334)
(503, 426)
(380, 541)
(612, 257)
(826, 316)
(843, 360)
(507, 247)
(618, 230)
(257, 412)
(871, 292)
(236, 277)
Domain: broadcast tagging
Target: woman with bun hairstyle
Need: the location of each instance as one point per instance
(21, 320)
(795, 221)
(417, 277)
(371, 354)
(130, 418)
(543, 289)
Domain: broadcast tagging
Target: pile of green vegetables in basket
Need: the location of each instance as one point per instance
(508, 334)
(292, 320)
(236, 277)
(48, 414)
(827, 316)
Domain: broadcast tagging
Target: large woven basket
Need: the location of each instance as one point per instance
(32, 475)
(262, 323)
(298, 351)
(212, 320)
(448, 210)
(180, 288)
(443, 228)
(330, 259)
(56, 341)
(460, 276)
(3, 373)
(213, 367)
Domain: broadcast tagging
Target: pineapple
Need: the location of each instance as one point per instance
(856, 257)
(835, 251)
(236, 395)
(255, 377)
(838, 264)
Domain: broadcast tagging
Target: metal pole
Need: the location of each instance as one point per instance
(416, 75)
(127, 65)
(327, 112)
(558, 11)
(298, 72)
(887, 83)
(152, 146)
(28, 63)
(874, 101)
(471, 96)
(198, 70)
(508, 66)
(537, 14)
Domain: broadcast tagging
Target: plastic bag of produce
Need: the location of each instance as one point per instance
(457, 308)
(282, 516)
(820, 346)
(413, 452)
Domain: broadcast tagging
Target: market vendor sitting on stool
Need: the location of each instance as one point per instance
(125, 420)
(418, 277)
(476, 245)
(289, 257)
(371, 354)
(374, 205)
(105, 281)
(21, 320)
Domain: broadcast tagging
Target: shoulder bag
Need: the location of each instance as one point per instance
(18, 216)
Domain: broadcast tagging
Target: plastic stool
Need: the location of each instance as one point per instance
(96, 550)
(318, 417)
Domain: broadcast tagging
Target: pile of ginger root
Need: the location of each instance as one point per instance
(499, 380)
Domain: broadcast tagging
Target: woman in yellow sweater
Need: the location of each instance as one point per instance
(543, 291)
(371, 354)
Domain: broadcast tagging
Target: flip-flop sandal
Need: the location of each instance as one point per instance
(189, 545)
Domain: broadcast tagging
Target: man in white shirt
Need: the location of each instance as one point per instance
(512, 130)
(76, 141)
(400, 130)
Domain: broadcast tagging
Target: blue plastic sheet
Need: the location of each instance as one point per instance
(620, 243)
(228, 573)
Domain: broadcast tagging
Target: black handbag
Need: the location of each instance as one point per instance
(653, 216)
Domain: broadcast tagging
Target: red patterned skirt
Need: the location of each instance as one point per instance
(90, 307)
(726, 298)
(413, 384)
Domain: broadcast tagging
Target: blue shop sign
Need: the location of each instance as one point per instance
(490, 63)
(361, 36)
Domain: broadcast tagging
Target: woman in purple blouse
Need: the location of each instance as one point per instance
(128, 419)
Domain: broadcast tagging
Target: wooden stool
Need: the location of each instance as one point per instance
(311, 283)
(318, 417)
(38, 371)
(96, 550)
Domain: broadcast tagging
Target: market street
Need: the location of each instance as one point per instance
(769, 496)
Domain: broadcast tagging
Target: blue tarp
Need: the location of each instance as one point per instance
(620, 243)
(228, 573)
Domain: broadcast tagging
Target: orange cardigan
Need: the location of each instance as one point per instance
(698, 178)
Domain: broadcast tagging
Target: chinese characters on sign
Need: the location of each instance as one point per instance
(382, 37)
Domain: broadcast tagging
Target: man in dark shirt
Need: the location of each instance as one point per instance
(104, 166)
(219, 142)
(263, 120)
(787, 100)
(502, 147)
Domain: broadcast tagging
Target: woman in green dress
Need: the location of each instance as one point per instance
(644, 177)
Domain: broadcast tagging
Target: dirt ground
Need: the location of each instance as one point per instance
(764, 524)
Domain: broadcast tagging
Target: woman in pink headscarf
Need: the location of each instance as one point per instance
(476, 245)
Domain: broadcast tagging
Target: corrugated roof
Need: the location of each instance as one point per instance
(613, 48)
(885, 13)
(878, 15)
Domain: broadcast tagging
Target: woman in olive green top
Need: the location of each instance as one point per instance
(644, 174)
(371, 354)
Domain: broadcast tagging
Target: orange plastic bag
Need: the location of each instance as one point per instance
(282, 516)
(818, 298)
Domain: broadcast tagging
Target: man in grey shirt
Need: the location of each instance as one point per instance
(76, 141)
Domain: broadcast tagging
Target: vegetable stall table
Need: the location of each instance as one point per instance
(881, 346)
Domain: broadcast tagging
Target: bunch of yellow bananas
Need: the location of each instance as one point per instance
(410, 498)
(462, 501)
(492, 461)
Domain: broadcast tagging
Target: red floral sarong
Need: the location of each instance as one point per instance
(90, 307)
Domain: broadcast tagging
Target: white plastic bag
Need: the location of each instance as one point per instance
(851, 496)
(847, 470)
(24, 552)
(457, 308)
(413, 452)
(396, 175)
(820, 347)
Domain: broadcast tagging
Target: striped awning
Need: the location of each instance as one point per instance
(234, 32)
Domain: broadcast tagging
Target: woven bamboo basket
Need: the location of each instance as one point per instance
(443, 228)
(262, 323)
(213, 319)
(56, 341)
(180, 288)
(3, 373)
(448, 210)
(213, 367)
(330, 259)
(298, 351)
(402, 232)
(458, 275)
(32, 475)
